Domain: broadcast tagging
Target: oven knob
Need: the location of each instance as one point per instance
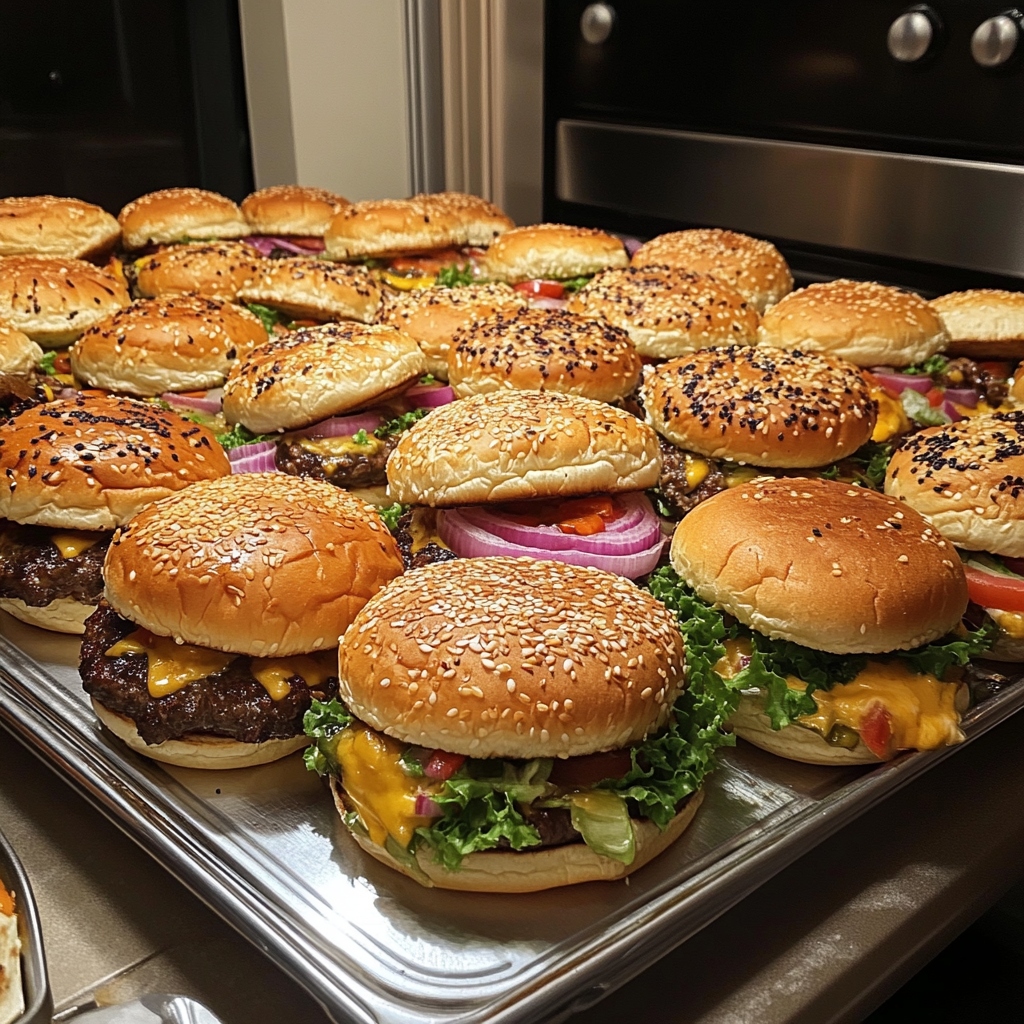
(995, 40)
(912, 34)
(597, 22)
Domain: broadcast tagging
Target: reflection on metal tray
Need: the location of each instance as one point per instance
(264, 847)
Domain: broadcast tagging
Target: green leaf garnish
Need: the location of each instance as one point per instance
(399, 423)
(238, 435)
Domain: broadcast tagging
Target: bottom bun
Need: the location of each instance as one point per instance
(524, 871)
(376, 496)
(197, 751)
(1006, 648)
(65, 615)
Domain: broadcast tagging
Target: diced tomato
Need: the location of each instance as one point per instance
(1014, 565)
(306, 242)
(442, 765)
(998, 369)
(549, 289)
(62, 363)
(992, 591)
(582, 526)
(936, 396)
(576, 515)
(584, 772)
(876, 731)
(306, 323)
(427, 263)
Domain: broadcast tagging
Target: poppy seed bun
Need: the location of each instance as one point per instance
(291, 210)
(90, 462)
(866, 323)
(433, 315)
(544, 350)
(830, 566)
(305, 288)
(967, 480)
(55, 226)
(53, 299)
(19, 354)
(617, 668)
(522, 444)
(317, 372)
(983, 323)
(62, 615)
(175, 214)
(215, 271)
(750, 266)
(668, 312)
(388, 227)
(155, 345)
(763, 406)
(552, 251)
(263, 564)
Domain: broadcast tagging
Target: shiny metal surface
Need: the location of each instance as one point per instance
(597, 22)
(956, 212)
(995, 41)
(910, 36)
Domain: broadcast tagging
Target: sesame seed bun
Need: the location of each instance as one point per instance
(53, 299)
(750, 266)
(18, 352)
(90, 462)
(543, 350)
(552, 251)
(481, 221)
(983, 323)
(510, 445)
(668, 312)
(433, 315)
(216, 271)
(967, 480)
(176, 214)
(55, 226)
(262, 564)
(64, 615)
(761, 406)
(291, 210)
(155, 345)
(318, 372)
(866, 323)
(316, 289)
(617, 669)
(826, 565)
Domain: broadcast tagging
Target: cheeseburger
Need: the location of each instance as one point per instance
(215, 270)
(179, 215)
(983, 323)
(55, 226)
(287, 220)
(21, 382)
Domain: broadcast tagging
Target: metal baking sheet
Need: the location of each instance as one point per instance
(265, 849)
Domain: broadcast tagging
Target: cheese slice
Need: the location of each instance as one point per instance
(73, 542)
(892, 417)
(273, 673)
(171, 665)
(328, 447)
(423, 530)
(697, 470)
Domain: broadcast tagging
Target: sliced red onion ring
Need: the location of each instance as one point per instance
(210, 402)
(951, 410)
(426, 807)
(266, 244)
(899, 382)
(545, 302)
(430, 396)
(253, 458)
(632, 244)
(963, 396)
(343, 426)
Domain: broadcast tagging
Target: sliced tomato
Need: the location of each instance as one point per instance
(579, 513)
(442, 765)
(992, 591)
(876, 731)
(998, 369)
(936, 396)
(586, 771)
(549, 289)
(62, 363)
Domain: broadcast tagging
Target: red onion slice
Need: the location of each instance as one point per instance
(545, 302)
(266, 244)
(208, 401)
(963, 396)
(631, 244)
(426, 807)
(951, 410)
(430, 396)
(263, 245)
(899, 382)
(342, 426)
(253, 458)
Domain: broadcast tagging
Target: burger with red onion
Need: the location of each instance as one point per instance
(290, 220)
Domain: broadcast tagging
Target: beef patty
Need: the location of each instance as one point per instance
(34, 571)
(426, 555)
(347, 469)
(675, 492)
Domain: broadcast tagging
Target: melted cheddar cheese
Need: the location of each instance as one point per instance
(737, 476)
(423, 530)
(697, 470)
(407, 284)
(1011, 623)
(335, 447)
(6, 903)
(73, 542)
(892, 417)
(171, 665)
(273, 673)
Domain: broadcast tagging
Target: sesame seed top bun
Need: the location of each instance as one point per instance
(291, 210)
(307, 288)
(175, 214)
(983, 323)
(556, 251)
(616, 670)
(827, 565)
(216, 270)
(481, 221)
(55, 226)
(186, 343)
(750, 266)
(867, 323)
(544, 350)
(18, 352)
(967, 480)
(317, 372)
(91, 462)
(762, 406)
(263, 564)
(668, 312)
(510, 445)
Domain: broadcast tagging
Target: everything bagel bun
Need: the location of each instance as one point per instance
(18, 352)
(55, 226)
(214, 270)
(177, 214)
(552, 251)
(510, 445)
(983, 323)
(544, 350)
(750, 266)
(668, 312)
(291, 210)
(866, 323)
(307, 288)
(155, 345)
(823, 564)
(263, 564)
(90, 463)
(54, 299)
(389, 227)
(762, 406)
(318, 372)
(481, 221)
(433, 315)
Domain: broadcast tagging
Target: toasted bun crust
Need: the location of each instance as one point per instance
(522, 444)
(388, 227)
(763, 406)
(750, 266)
(65, 615)
(552, 251)
(867, 323)
(830, 566)
(90, 463)
(317, 372)
(967, 480)
(174, 214)
(617, 671)
(215, 271)
(318, 289)
(668, 312)
(18, 352)
(263, 564)
(155, 345)
(54, 299)
(544, 350)
(55, 226)
(481, 221)
(983, 323)
(291, 210)
(433, 315)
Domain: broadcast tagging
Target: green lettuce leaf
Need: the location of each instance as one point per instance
(46, 364)
(323, 723)
(574, 284)
(270, 318)
(932, 366)
(392, 513)
(937, 657)
(918, 408)
(400, 423)
(454, 275)
(872, 459)
(238, 435)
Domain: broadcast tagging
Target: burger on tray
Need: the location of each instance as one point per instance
(20, 377)
(290, 220)
(56, 226)
(175, 215)
(214, 270)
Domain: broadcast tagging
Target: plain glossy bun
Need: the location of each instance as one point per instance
(308, 288)
(511, 445)
(55, 226)
(19, 354)
(552, 251)
(263, 564)
(214, 270)
(175, 214)
(983, 323)
(827, 565)
(64, 615)
(291, 210)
